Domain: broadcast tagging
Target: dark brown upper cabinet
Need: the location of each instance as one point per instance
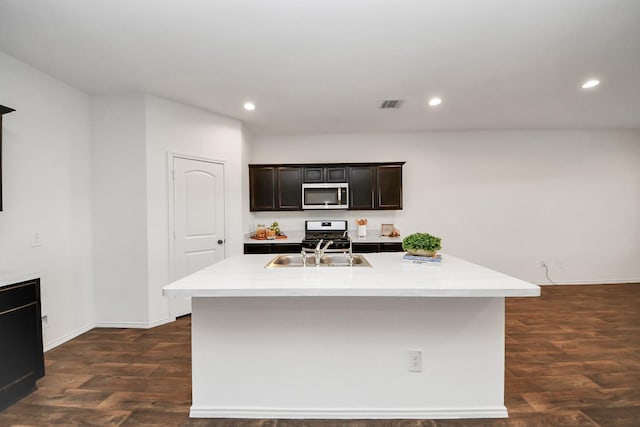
(375, 187)
(389, 187)
(362, 181)
(262, 186)
(371, 185)
(320, 174)
(275, 188)
(3, 110)
(288, 188)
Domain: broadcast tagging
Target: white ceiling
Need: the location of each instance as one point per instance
(324, 66)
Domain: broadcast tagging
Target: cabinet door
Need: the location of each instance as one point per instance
(21, 357)
(257, 248)
(365, 248)
(19, 332)
(336, 174)
(389, 187)
(262, 180)
(286, 248)
(391, 247)
(313, 174)
(289, 189)
(361, 187)
(319, 174)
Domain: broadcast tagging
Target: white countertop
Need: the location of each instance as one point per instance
(12, 277)
(390, 276)
(373, 236)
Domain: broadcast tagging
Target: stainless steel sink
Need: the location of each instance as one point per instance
(339, 260)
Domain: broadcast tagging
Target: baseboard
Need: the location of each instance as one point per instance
(86, 328)
(588, 282)
(162, 322)
(429, 414)
(68, 337)
(135, 325)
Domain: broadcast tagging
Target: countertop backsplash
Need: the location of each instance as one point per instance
(293, 222)
(373, 236)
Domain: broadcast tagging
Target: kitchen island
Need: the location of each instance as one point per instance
(335, 342)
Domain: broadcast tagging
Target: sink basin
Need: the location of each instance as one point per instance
(340, 260)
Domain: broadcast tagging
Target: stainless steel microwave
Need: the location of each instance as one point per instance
(325, 196)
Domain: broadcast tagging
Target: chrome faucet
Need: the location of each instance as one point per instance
(319, 251)
(349, 252)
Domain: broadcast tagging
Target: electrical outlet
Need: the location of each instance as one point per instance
(415, 360)
(45, 321)
(35, 239)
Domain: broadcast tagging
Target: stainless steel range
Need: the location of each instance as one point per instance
(326, 236)
(334, 231)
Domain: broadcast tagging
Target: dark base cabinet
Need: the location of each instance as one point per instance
(286, 248)
(21, 357)
(272, 248)
(369, 248)
(294, 248)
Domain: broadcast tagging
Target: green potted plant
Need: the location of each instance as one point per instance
(421, 244)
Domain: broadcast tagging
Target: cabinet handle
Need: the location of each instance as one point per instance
(220, 241)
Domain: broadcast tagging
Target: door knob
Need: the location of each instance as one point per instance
(220, 241)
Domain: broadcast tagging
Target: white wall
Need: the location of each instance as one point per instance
(506, 200)
(119, 210)
(132, 138)
(247, 140)
(172, 127)
(47, 188)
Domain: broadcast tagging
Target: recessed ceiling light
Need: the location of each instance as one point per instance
(435, 101)
(249, 106)
(590, 83)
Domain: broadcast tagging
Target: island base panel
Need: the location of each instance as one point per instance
(347, 357)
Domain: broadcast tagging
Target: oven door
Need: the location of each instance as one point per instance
(325, 196)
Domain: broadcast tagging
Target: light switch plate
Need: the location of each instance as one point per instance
(415, 360)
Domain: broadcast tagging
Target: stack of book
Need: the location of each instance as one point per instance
(436, 259)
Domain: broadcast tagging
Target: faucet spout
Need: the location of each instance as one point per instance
(319, 252)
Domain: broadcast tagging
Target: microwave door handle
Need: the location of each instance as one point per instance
(339, 196)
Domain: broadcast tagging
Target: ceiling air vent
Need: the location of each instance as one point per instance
(391, 103)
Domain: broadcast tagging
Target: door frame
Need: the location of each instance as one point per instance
(171, 205)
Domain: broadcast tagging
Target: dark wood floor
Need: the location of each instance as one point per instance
(572, 359)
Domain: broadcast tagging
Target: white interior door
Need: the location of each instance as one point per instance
(198, 216)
